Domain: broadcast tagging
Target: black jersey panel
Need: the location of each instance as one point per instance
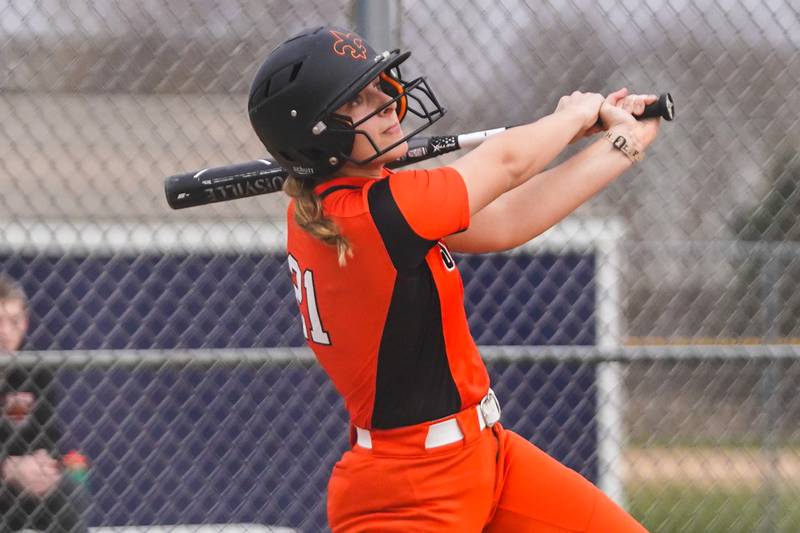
(406, 249)
(414, 383)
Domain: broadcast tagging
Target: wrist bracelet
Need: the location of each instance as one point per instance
(621, 143)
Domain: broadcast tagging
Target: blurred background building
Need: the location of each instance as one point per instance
(101, 101)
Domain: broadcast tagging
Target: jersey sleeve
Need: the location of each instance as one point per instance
(414, 209)
(434, 202)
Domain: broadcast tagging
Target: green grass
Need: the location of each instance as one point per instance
(673, 508)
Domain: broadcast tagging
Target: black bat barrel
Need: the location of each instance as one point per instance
(220, 184)
(262, 176)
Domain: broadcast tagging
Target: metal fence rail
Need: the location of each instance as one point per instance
(702, 426)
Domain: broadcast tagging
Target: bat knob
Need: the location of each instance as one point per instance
(664, 107)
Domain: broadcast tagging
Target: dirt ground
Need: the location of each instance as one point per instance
(712, 466)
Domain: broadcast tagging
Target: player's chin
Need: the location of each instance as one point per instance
(396, 152)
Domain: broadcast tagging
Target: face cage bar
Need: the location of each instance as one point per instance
(418, 84)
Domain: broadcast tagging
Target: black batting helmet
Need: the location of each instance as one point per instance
(303, 81)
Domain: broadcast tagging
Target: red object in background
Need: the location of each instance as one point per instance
(74, 460)
(76, 466)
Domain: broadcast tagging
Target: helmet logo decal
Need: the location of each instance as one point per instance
(349, 43)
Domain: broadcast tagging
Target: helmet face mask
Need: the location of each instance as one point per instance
(400, 93)
(295, 95)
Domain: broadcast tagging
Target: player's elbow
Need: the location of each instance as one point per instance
(509, 237)
(497, 230)
(516, 169)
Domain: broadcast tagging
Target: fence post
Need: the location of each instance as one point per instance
(609, 378)
(770, 395)
(375, 20)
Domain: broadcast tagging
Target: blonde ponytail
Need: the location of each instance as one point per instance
(309, 216)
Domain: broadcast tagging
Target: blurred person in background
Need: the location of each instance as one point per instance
(380, 296)
(35, 491)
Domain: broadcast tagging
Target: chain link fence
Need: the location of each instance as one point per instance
(650, 341)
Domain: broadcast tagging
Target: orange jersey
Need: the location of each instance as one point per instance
(389, 327)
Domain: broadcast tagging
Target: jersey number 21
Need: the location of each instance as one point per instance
(303, 282)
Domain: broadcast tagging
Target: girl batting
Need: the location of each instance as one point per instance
(380, 296)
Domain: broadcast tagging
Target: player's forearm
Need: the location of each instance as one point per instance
(527, 211)
(555, 193)
(526, 150)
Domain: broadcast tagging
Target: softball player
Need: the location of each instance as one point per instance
(381, 298)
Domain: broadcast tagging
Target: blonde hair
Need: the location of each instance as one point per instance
(310, 217)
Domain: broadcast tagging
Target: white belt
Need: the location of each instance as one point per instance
(447, 432)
